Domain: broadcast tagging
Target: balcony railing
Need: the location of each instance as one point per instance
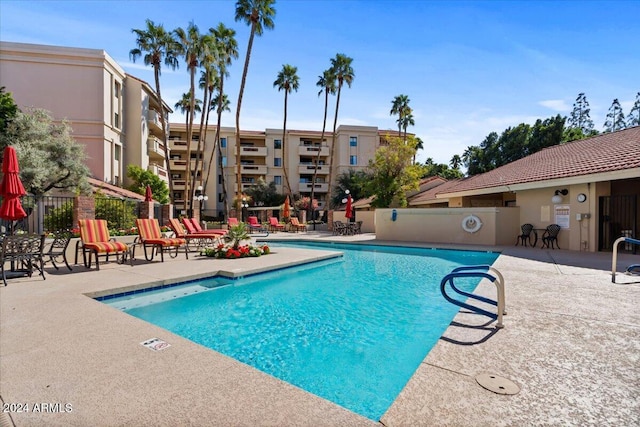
(321, 187)
(153, 119)
(253, 151)
(155, 148)
(307, 150)
(254, 169)
(308, 168)
(181, 145)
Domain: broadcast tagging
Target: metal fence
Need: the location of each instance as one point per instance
(51, 213)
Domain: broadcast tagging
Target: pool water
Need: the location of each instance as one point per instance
(351, 330)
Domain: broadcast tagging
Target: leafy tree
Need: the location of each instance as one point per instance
(407, 120)
(512, 144)
(438, 169)
(8, 109)
(287, 81)
(400, 107)
(356, 181)
(615, 118)
(343, 72)
(258, 14)
(545, 133)
(49, 157)
(60, 218)
(473, 158)
(327, 84)
(158, 46)
(580, 117)
(633, 119)
(142, 177)
(263, 194)
(393, 173)
(227, 47)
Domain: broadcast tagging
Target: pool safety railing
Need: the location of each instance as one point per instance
(632, 269)
(482, 272)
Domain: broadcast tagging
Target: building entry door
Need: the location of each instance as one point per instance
(618, 217)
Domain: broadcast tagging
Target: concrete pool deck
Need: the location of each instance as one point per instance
(570, 343)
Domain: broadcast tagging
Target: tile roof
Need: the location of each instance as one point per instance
(429, 196)
(113, 191)
(608, 152)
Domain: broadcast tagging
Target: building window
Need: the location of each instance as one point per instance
(353, 141)
(116, 154)
(277, 162)
(223, 142)
(220, 179)
(177, 195)
(353, 160)
(277, 180)
(116, 120)
(224, 161)
(277, 144)
(220, 197)
(116, 90)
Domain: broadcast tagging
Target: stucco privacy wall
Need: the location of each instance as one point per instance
(500, 226)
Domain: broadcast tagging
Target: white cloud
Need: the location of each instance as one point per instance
(555, 104)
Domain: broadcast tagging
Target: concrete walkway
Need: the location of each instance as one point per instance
(570, 344)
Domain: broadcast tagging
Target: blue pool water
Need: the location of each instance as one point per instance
(352, 330)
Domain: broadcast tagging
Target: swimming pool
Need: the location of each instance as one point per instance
(351, 330)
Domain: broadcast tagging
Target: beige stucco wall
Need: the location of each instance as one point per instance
(444, 225)
(536, 208)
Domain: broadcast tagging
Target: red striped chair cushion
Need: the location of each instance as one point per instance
(107, 247)
(93, 230)
(169, 241)
(177, 228)
(148, 229)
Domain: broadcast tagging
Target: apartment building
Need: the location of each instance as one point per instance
(113, 114)
(264, 155)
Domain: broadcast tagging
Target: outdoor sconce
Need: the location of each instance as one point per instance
(557, 196)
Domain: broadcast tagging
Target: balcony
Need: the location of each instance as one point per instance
(320, 187)
(160, 171)
(155, 149)
(177, 144)
(179, 184)
(245, 186)
(253, 151)
(180, 165)
(309, 169)
(153, 118)
(310, 150)
(253, 169)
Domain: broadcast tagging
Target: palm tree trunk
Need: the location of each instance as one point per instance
(219, 148)
(202, 133)
(242, 84)
(284, 154)
(192, 108)
(333, 139)
(315, 172)
(167, 161)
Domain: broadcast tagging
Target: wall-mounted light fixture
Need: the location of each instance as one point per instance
(557, 196)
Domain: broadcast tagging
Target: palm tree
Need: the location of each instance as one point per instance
(419, 146)
(327, 84)
(287, 80)
(191, 46)
(184, 106)
(207, 83)
(399, 106)
(407, 120)
(157, 45)
(343, 72)
(227, 47)
(455, 161)
(258, 14)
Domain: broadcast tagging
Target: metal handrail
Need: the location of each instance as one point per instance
(481, 272)
(614, 259)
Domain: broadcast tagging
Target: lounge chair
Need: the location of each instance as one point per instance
(96, 240)
(193, 227)
(525, 237)
(232, 221)
(296, 226)
(274, 225)
(254, 224)
(195, 240)
(58, 247)
(550, 236)
(151, 237)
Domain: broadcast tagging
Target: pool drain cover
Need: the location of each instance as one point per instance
(497, 384)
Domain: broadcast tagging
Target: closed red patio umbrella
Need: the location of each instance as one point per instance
(287, 208)
(11, 188)
(148, 194)
(349, 209)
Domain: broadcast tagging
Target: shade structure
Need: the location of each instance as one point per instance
(11, 188)
(349, 209)
(286, 210)
(148, 194)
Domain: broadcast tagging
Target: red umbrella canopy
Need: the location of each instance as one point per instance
(148, 194)
(349, 209)
(287, 208)
(11, 188)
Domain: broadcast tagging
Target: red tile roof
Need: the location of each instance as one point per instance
(609, 152)
(113, 191)
(429, 196)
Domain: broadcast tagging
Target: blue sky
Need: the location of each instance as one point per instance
(468, 67)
